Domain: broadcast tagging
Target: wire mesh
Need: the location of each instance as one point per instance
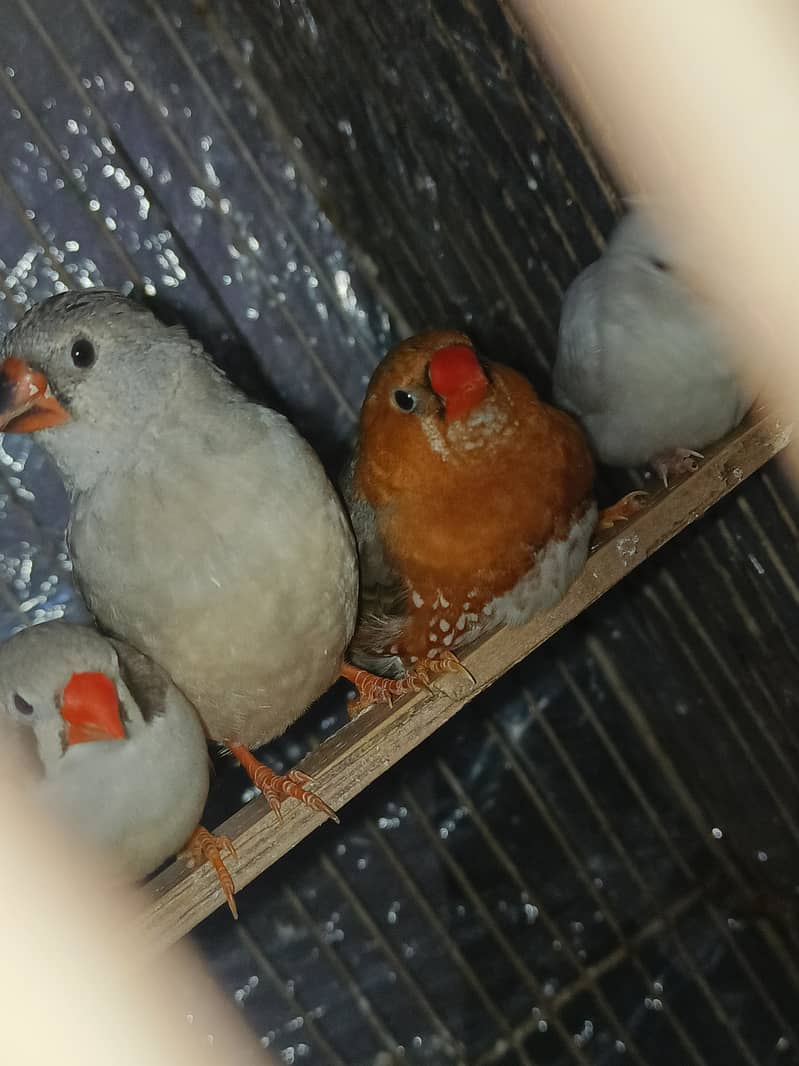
(597, 861)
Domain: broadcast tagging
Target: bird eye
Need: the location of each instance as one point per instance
(660, 264)
(406, 401)
(83, 354)
(22, 705)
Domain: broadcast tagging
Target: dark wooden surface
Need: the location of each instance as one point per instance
(303, 182)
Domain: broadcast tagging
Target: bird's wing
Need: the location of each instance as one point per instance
(146, 681)
(383, 595)
(578, 378)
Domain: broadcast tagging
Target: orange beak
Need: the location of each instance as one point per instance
(90, 708)
(26, 403)
(457, 377)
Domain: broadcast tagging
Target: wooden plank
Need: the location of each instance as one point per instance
(180, 898)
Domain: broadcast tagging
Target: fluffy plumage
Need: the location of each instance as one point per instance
(643, 365)
(471, 505)
(139, 797)
(204, 531)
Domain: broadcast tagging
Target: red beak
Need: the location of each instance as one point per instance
(26, 403)
(90, 708)
(457, 377)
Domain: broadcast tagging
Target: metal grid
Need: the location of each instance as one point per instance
(542, 883)
(656, 913)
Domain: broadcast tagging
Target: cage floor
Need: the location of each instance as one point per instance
(597, 860)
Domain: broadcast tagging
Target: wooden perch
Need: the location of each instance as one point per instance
(180, 898)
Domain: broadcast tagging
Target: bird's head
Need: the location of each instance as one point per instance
(432, 400)
(432, 374)
(87, 372)
(59, 685)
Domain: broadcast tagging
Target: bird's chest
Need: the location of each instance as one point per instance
(446, 615)
(152, 564)
(454, 561)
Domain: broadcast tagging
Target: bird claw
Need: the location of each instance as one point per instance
(276, 788)
(372, 689)
(447, 662)
(203, 847)
(676, 463)
(623, 510)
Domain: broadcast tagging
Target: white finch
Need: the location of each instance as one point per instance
(641, 362)
(204, 531)
(109, 745)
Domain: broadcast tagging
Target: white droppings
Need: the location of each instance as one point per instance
(417, 599)
(782, 437)
(443, 625)
(448, 639)
(433, 637)
(627, 547)
(345, 291)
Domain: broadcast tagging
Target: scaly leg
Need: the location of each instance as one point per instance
(374, 689)
(278, 787)
(206, 847)
(676, 463)
(623, 510)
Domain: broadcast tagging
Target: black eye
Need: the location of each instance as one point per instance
(82, 353)
(22, 705)
(660, 264)
(406, 401)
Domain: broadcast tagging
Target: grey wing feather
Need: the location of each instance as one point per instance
(147, 682)
(383, 595)
(578, 378)
(149, 685)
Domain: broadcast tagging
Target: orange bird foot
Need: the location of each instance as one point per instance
(623, 510)
(276, 788)
(373, 689)
(206, 847)
(676, 463)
